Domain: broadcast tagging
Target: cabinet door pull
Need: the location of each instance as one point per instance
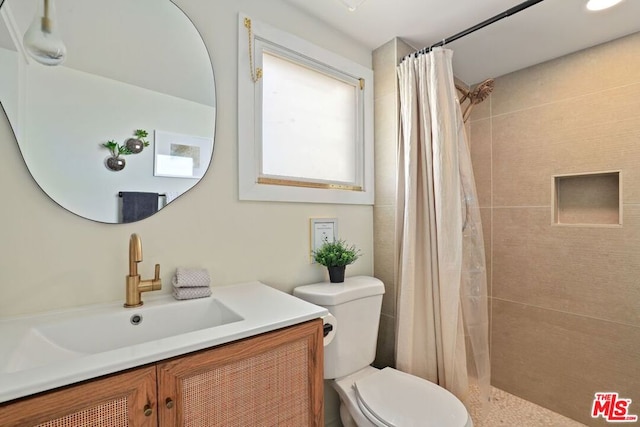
(169, 403)
(147, 410)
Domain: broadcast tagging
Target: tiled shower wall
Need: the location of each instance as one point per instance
(565, 300)
(385, 60)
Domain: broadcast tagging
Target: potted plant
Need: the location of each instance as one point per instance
(336, 256)
(131, 146)
(137, 144)
(115, 162)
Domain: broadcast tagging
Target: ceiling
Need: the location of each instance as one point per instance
(544, 31)
(547, 30)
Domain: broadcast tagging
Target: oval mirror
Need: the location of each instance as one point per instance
(125, 124)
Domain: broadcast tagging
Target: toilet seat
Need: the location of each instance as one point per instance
(390, 398)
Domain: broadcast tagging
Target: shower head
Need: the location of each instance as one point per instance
(482, 91)
(475, 96)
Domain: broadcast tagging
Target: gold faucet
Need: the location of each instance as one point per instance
(136, 286)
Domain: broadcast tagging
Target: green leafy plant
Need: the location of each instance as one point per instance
(141, 134)
(116, 149)
(336, 254)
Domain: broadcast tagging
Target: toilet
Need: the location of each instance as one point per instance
(369, 396)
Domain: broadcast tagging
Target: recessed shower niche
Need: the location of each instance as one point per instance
(587, 199)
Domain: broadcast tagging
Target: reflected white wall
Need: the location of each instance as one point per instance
(9, 83)
(90, 110)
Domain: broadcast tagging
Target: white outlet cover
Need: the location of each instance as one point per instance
(323, 230)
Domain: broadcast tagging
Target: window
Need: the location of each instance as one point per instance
(306, 126)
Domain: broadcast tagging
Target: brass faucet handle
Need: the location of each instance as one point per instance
(156, 283)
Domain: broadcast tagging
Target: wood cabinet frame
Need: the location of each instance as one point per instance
(275, 377)
(241, 374)
(122, 396)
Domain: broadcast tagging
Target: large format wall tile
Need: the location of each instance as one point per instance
(565, 316)
(559, 360)
(384, 66)
(386, 134)
(384, 258)
(385, 351)
(603, 67)
(385, 60)
(592, 271)
(403, 49)
(592, 133)
(485, 217)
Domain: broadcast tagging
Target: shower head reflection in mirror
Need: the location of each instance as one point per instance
(129, 65)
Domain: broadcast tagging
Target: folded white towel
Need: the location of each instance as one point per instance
(191, 277)
(170, 196)
(191, 293)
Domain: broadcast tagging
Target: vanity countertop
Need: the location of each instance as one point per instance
(257, 307)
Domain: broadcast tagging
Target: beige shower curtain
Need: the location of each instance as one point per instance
(442, 289)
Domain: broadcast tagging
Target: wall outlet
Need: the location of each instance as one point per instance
(322, 230)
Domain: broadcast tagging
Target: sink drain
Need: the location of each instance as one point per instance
(136, 319)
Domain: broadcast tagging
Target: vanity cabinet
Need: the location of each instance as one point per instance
(120, 400)
(273, 379)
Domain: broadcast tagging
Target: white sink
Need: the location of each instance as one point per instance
(98, 329)
(54, 349)
(112, 329)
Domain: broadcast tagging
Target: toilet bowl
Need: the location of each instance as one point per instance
(370, 397)
(388, 397)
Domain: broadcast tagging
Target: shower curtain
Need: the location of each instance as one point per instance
(442, 287)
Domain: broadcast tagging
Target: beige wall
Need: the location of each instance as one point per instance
(52, 259)
(565, 300)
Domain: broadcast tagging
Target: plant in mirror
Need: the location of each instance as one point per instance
(115, 162)
(131, 146)
(137, 144)
(55, 112)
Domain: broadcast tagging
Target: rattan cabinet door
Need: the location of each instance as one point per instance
(274, 379)
(123, 400)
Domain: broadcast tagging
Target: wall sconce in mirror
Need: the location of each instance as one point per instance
(131, 146)
(42, 40)
(352, 5)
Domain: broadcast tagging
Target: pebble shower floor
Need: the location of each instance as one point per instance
(510, 411)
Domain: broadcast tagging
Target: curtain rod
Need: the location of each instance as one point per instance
(159, 195)
(518, 8)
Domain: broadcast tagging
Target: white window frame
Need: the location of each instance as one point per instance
(251, 185)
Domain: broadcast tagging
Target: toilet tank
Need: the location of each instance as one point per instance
(356, 306)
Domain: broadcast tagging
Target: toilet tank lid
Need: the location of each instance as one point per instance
(328, 294)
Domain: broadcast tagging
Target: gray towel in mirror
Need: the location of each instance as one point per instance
(137, 206)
